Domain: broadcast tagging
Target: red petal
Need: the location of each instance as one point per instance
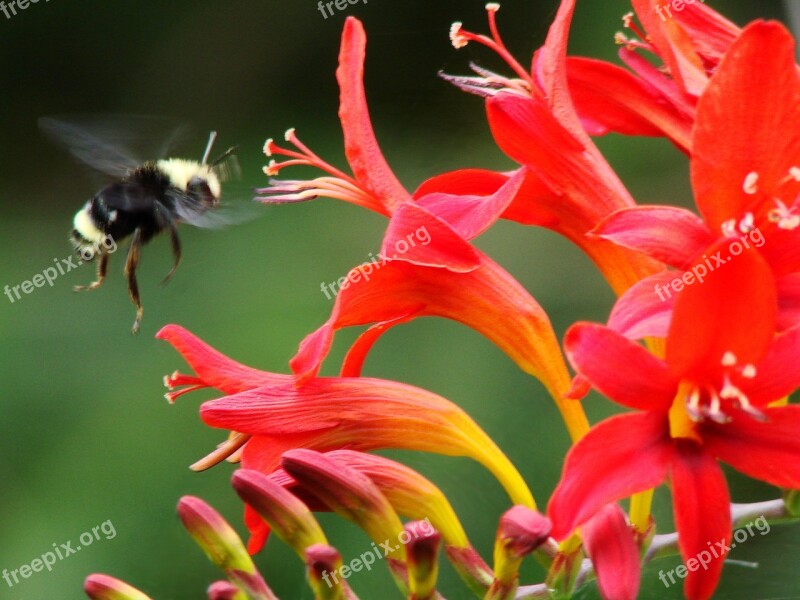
(768, 451)
(417, 236)
(487, 299)
(733, 309)
(476, 182)
(471, 215)
(671, 235)
(619, 368)
(620, 456)
(645, 310)
(611, 99)
(748, 121)
(214, 368)
(778, 374)
(702, 517)
(711, 33)
(362, 150)
(673, 45)
(529, 206)
(584, 188)
(610, 544)
(550, 70)
(788, 301)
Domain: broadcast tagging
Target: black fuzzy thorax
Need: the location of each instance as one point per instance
(141, 200)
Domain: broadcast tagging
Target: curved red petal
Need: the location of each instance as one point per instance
(611, 99)
(788, 301)
(583, 187)
(619, 368)
(471, 215)
(619, 457)
(768, 451)
(611, 545)
(739, 131)
(363, 153)
(673, 44)
(214, 368)
(475, 182)
(645, 310)
(778, 373)
(417, 236)
(731, 308)
(702, 517)
(487, 299)
(711, 33)
(674, 236)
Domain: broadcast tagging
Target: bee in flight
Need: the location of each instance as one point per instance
(144, 200)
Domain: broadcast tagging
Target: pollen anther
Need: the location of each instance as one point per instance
(751, 183)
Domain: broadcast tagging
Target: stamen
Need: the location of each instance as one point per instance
(749, 371)
(794, 173)
(731, 392)
(459, 37)
(728, 359)
(729, 228)
(693, 405)
(784, 217)
(226, 449)
(458, 40)
(177, 379)
(629, 23)
(747, 224)
(714, 411)
(750, 185)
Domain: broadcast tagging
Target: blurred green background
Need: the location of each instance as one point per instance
(85, 435)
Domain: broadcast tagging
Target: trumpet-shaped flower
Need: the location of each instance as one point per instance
(708, 400)
(272, 415)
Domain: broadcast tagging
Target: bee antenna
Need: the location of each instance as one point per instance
(211, 138)
(224, 155)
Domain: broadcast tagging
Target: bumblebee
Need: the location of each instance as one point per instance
(145, 200)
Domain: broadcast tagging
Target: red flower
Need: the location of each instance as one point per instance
(569, 187)
(745, 175)
(709, 399)
(436, 274)
(653, 100)
(272, 414)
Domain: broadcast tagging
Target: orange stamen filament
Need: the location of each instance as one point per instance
(460, 36)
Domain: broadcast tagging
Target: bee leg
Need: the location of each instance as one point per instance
(176, 252)
(130, 271)
(102, 267)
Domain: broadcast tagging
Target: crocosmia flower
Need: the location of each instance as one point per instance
(701, 350)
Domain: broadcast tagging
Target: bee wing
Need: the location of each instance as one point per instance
(114, 144)
(188, 210)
